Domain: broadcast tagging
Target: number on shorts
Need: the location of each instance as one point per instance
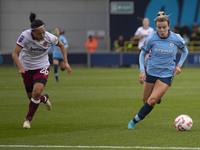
(44, 71)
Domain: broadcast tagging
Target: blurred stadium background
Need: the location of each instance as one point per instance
(105, 19)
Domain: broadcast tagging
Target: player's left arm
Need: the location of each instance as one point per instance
(184, 54)
(64, 53)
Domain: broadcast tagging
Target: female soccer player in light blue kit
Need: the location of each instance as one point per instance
(161, 65)
(57, 54)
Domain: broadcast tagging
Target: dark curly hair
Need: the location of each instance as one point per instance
(35, 23)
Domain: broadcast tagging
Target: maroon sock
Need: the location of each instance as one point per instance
(42, 99)
(32, 109)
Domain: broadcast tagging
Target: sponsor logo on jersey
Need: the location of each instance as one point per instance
(21, 39)
(163, 51)
(37, 49)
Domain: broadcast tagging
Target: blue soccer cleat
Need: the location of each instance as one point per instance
(131, 125)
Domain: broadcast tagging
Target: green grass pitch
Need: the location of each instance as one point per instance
(92, 107)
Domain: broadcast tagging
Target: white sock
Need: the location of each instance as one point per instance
(35, 101)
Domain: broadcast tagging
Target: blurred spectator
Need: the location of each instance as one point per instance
(121, 41)
(198, 33)
(143, 32)
(130, 44)
(91, 44)
(194, 45)
(176, 28)
(194, 27)
(116, 46)
(193, 36)
(185, 30)
(186, 38)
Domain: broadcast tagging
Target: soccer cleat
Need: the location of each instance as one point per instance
(26, 124)
(159, 101)
(47, 103)
(131, 125)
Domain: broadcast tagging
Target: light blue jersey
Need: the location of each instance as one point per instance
(57, 54)
(162, 59)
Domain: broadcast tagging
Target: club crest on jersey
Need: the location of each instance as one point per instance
(21, 39)
(45, 44)
(171, 44)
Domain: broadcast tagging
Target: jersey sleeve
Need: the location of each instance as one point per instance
(184, 50)
(21, 40)
(147, 44)
(64, 41)
(181, 43)
(142, 60)
(183, 56)
(145, 49)
(54, 40)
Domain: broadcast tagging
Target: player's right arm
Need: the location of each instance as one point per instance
(15, 56)
(144, 51)
(142, 75)
(63, 50)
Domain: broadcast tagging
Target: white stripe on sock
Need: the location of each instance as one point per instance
(137, 118)
(35, 101)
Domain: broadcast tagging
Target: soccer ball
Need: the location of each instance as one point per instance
(183, 123)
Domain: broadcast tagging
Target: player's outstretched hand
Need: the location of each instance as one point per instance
(142, 77)
(177, 70)
(68, 68)
(22, 70)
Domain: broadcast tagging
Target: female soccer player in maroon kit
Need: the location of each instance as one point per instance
(31, 56)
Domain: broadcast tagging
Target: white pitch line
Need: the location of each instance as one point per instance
(105, 147)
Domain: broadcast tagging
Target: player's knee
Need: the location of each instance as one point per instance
(36, 93)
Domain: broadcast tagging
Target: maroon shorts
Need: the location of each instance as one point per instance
(32, 75)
